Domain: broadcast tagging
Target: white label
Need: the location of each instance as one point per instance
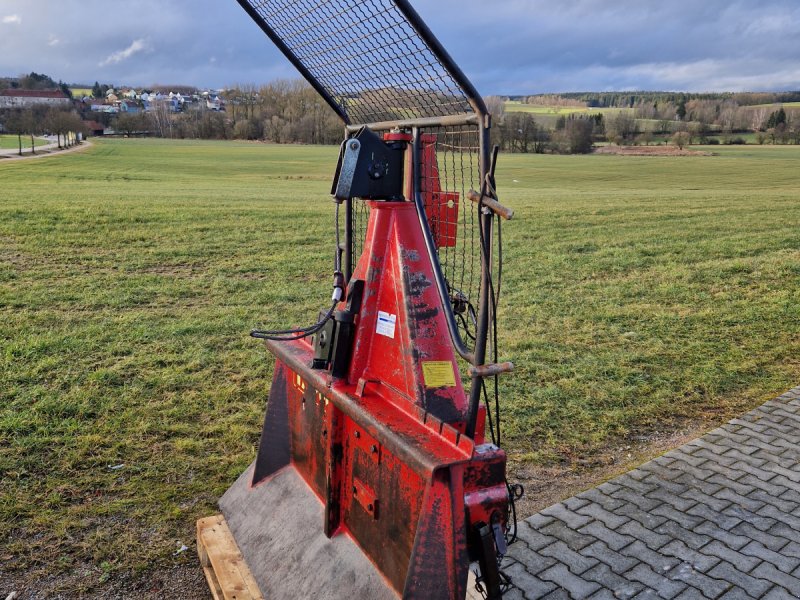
(386, 323)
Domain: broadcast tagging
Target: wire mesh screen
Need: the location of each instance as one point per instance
(367, 57)
(360, 218)
(450, 168)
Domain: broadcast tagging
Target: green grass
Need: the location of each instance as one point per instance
(639, 293)
(8, 141)
(557, 111)
(81, 92)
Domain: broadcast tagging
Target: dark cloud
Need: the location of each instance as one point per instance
(507, 46)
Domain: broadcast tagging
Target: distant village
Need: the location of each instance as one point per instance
(281, 111)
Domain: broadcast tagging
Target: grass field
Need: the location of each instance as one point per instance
(640, 293)
(11, 142)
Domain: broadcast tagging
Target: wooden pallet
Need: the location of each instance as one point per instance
(227, 573)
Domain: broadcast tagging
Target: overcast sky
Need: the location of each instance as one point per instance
(504, 46)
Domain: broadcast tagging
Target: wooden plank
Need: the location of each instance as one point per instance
(227, 573)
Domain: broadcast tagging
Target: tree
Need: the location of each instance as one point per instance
(681, 110)
(621, 128)
(130, 123)
(16, 123)
(97, 92)
(680, 139)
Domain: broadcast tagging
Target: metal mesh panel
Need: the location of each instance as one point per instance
(452, 172)
(367, 57)
(360, 219)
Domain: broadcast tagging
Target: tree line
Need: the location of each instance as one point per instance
(37, 120)
(279, 112)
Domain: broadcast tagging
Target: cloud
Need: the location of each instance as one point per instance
(54, 41)
(136, 47)
(12, 20)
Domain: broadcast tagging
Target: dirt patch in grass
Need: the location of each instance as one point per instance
(650, 151)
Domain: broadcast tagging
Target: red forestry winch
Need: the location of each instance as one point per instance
(374, 477)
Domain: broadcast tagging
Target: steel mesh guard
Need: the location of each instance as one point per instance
(366, 57)
(376, 63)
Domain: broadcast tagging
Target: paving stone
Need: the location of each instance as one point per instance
(709, 514)
(627, 481)
(784, 505)
(769, 488)
(757, 536)
(558, 594)
(578, 587)
(636, 499)
(755, 587)
(646, 519)
(666, 587)
(729, 481)
(789, 496)
(767, 571)
(539, 520)
(571, 537)
(620, 586)
(791, 549)
(712, 588)
(608, 518)
(756, 520)
(604, 500)
(658, 562)
(782, 480)
(779, 593)
(608, 488)
(726, 537)
(785, 563)
(532, 537)
(708, 486)
(561, 512)
(736, 594)
(684, 519)
(614, 540)
(743, 562)
(532, 561)
(576, 562)
(700, 561)
(676, 532)
(619, 563)
(603, 594)
(532, 586)
(672, 498)
(575, 503)
(733, 495)
(717, 459)
(696, 495)
(686, 456)
(648, 594)
(651, 539)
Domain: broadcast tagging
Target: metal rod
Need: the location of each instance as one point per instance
(430, 246)
(348, 241)
(484, 303)
(298, 64)
(448, 121)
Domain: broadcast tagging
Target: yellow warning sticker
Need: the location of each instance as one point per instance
(438, 373)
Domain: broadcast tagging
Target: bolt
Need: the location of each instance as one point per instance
(369, 507)
(357, 434)
(374, 449)
(354, 490)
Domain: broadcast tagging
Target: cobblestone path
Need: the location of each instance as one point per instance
(716, 518)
